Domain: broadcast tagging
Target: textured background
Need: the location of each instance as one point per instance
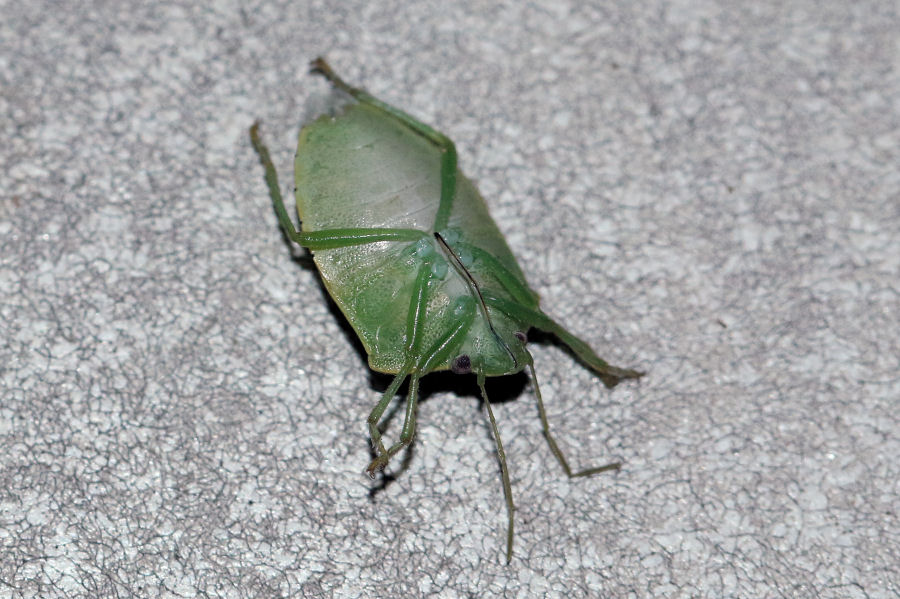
(706, 192)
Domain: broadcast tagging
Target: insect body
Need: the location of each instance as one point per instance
(408, 251)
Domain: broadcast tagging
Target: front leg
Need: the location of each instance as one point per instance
(329, 238)
(437, 354)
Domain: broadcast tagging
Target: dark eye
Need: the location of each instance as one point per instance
(521, 337)
(461, 364)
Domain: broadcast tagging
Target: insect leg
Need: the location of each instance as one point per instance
(609, 374)
(329, 238)
(413, 334)
(408, 431)
(272, 182)
(417, 304)
(504, 470)
(378, 411)
(437, 354)
(513, 283)
(552, 442)
(448, 150)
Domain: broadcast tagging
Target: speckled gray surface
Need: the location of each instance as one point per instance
(706, 192)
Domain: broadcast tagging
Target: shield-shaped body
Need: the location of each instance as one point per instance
(408, 251)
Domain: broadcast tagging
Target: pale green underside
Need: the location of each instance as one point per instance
(362, 169)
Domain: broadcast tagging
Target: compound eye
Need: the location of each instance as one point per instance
(461, 364)
(521, 337)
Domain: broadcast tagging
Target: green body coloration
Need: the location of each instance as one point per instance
(363, 170)
(407, 249)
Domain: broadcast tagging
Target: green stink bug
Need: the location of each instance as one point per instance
(406, 248)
